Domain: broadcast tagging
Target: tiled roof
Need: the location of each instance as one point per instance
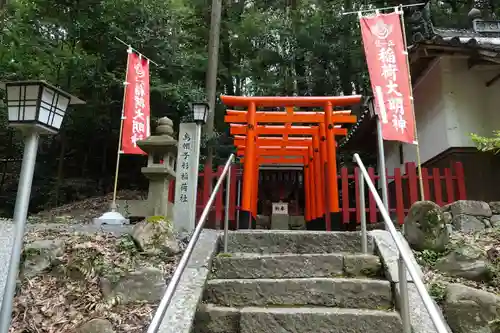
(463, 38)
(355, 127)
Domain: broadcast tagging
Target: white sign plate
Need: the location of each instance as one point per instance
(280, 208)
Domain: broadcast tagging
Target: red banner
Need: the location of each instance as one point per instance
(389, 76)
(136, 107)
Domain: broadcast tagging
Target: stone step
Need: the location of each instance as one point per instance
(211, 318)
(215, 319)
(334, 292)
(318, 320)
(295, 241)
(254, 266)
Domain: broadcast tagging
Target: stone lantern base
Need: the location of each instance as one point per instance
(111, 218)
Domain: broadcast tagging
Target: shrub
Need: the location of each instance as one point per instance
(487, 144)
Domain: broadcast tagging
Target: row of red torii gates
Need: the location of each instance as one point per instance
(291, 137)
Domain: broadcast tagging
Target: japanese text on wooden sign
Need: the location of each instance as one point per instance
(389, 76)
(186, 180)
(184, 166)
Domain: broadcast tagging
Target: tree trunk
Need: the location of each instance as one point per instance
(226, 50)
(345, 71)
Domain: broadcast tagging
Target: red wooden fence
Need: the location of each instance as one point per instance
(441, 186)
(403, 190)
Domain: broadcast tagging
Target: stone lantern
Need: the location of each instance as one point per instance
(162, 150)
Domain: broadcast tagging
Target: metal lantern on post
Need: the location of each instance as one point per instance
(200, 113)
(200, 116)
(35, 108)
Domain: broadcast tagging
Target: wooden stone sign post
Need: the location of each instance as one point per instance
(188, 157)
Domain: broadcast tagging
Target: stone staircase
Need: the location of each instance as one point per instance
(281, 282)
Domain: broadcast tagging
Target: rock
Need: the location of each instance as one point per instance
(470, 310)
(493, 255)
(447, 217)
(297, 223)
(470, 207)
(144, 284)
(362, 265)
(495, 207)
(156, 237)
(425, 227)
(263, 222)
(495, 221)
(96, 326)
(495, 326)
(467, 223)
(106, 287)
(446, 208)
(183, 239)
(40, 255)
(467, 262)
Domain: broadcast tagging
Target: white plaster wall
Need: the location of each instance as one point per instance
(450, 103)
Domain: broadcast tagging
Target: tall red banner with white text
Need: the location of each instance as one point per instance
(136, 107)
(389, 75)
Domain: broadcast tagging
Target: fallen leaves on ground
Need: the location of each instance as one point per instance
(85, 210)
(485, 241)
(56, 302)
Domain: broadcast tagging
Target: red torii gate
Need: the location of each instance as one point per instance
(315, 199)
(297, 152)
(325, 141)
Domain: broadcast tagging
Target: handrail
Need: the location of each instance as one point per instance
(172, 285)
(404, 262)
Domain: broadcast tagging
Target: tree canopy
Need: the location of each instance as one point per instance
(280, 47)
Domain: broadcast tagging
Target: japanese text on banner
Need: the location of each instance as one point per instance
(184, 165)
(136, 108)
(389, 76)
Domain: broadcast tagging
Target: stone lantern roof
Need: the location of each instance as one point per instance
(162, 141)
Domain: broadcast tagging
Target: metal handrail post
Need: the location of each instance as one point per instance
(238, 200)
(405, 257)
(226, 209)
(362, 214)
(174, 281)
(404, 302)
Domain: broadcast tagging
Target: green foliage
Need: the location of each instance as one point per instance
(126, 244)
(73, 45)
(156, 219)
(437, 291)
(428, 257)
(487, 144)
(494, 325)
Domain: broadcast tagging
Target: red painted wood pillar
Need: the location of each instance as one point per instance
(248, 169)
(333, 198)
(324, 172)
(314, 183)
(307, 190)
(320, 209)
